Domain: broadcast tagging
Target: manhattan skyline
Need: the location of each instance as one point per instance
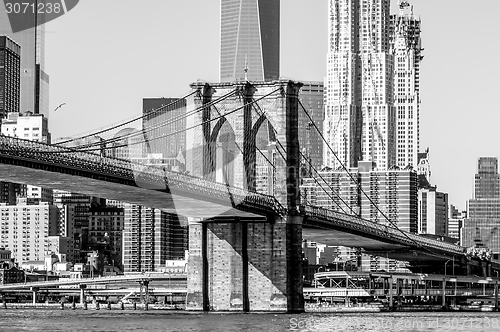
(158, 50)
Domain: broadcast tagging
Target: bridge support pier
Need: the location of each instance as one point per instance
(144, 296)
(244, 265)
(444, 292)
(496, 295)
(391, 296)
(82, 293)
(35, 293)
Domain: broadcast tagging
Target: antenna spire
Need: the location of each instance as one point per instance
(246, 68)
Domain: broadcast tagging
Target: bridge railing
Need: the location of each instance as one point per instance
(59, 155)
(354, 222)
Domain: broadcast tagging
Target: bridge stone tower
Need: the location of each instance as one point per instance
(246, 262)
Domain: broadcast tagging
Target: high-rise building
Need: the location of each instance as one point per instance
(106, 233)
(406, 46)
(455, 222)
(150, 237)
(10, 68)
(311, 96)
(394, 192)
(432, 211)
(74, 221)
(164, 123)
(482, 227)
(26, 229)
(359, 107)
(34, 80)
(250, 40)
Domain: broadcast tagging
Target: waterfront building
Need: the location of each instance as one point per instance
(10, 69)
(106, 233)
(59, 246)
(249, 40)
(432, 211)
(26, 228)
(359, 109)
(455, 222)
(73, 221)
(310, 250)
(34, 79)
(405, 44)
(481, 228)
(150, 237)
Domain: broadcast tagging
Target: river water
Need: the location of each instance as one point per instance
(124, 321)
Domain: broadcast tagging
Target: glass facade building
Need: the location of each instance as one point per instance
(250, 38)
(34, 80)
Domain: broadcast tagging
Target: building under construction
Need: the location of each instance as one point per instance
(371, 55)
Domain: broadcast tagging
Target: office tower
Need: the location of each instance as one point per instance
(406, 46)
(455, 222)
(150, 237)
(360, 114)
(250, 39)
(163, 124)
(26, 228)
(10, 68)
(395, 193)
(311, 97)
(481, 228)
(432, 211)
(105, 233)
(34, 80)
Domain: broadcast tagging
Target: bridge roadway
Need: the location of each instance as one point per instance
(151, 277)
(57, 167)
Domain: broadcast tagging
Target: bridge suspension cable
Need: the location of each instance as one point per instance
(150, 129)
(354, 181)
(126, 122)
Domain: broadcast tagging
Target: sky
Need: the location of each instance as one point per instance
(104, 56)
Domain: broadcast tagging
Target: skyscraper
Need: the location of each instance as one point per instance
(250, 38)
(360, 116)
(406, 47)
(34, 80)
(481, 228)
(10, 67)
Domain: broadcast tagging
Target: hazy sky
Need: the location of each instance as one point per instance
(104, 56)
